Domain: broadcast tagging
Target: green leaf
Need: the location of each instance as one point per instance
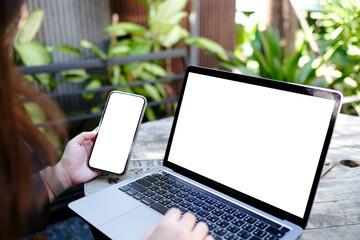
(94, 84)
(208, 45)
(152, 91)
(63, 48)
(31, 27)
(264, 68)
(161, 89)
(150, 114)
(94, 49)
(154, 69)
(33, 53)
(174, 36)
(146, 76)
(119, 51)
(124, 28)
(168, 9)
(115, 80)
(177, 17)
(75, 75)
(137, 48)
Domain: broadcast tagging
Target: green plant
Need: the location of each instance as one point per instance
(31, 52)
(129, 39)
(338, 24)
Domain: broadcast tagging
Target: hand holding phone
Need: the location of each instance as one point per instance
(117, 132)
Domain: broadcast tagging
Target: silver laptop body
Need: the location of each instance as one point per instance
(259, 144)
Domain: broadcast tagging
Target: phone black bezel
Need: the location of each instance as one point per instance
(134, 137)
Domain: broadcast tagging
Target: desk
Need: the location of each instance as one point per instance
(336, 210)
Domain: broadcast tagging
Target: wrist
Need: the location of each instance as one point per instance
(63, 175)
(54, 185)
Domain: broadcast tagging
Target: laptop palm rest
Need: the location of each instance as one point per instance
(124, 227)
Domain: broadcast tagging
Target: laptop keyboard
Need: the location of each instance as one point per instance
(162, 191)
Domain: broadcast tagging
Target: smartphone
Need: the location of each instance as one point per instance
(117, 131)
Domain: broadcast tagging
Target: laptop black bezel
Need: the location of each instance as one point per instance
(296, 88)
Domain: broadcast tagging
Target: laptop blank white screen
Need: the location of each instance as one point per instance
(263, 142)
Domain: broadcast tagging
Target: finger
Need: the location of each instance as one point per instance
(209, 237)
(173, 213)
(188, 221)
(150, 231)
(200, 230)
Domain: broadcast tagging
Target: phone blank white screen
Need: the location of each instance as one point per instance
(263, 142)
(116, 132)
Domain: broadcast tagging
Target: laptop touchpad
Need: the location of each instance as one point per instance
(131, 225)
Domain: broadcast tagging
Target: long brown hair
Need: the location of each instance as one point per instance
(23, 148)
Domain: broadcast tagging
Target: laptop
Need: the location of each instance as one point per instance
(245, 154)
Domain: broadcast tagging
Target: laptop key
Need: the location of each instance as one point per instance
(153, 187)
(208, 207)
(166, 187)
(148, 193)
(218, 212)
(203, 213)
(231, 236)
(190, 199)
(220, 232)
(185, 204)
(124, 188)
(137, 187)
(147, 201)
(211, 226)
(233, 229)
(132, 192)
(149, 178)
(275, 232)
(227, 217)
(177, 185)
(160, 208)
(248, 227)
(259, 233)
(199, 203)
(220, 205)
(156, 197)
(182, 194)
(172, 205)
(238, 222)
(193, 192)
(211, 201)
(176, 200)
(229, 209)
(254, 238)
(250, 219)
(222, 223)
(194, 208)
(174, 190)
(202, 196)
(164, 202)
(261, 225)
(212, 218)
(239, 214)
(138, 196)
(271, 237)
(143, 182)
(244, 234)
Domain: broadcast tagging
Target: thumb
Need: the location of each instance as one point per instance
(85, 136)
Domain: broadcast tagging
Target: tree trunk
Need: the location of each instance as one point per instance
(280, 16)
